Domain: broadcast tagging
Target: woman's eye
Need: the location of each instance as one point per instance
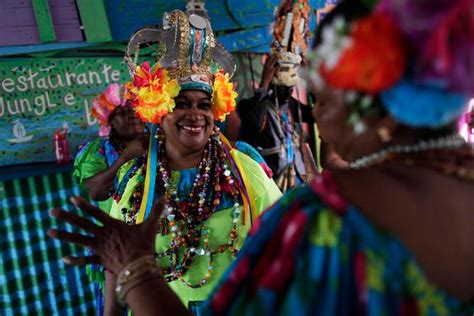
(204, 106)
(182, 105)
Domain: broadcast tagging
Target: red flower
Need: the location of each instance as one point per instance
(375, 61)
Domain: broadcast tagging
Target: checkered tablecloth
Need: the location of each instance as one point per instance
(33, 279)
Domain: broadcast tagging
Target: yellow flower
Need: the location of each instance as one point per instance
(152, 93)
(223, 96)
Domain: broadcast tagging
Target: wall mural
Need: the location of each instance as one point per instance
(39, 97)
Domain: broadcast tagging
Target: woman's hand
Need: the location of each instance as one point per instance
(115, 243)
(136, 148)
(309, 163)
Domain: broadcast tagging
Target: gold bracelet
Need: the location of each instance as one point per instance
(136, 272)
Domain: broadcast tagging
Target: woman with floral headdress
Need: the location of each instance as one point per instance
(122, 134)
(392, 235)
(213, 191)
(97, 162)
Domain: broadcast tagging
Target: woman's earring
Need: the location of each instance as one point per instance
(384, 134)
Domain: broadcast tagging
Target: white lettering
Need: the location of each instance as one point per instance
(59, 82)
(48, 101)
(82, 79)
(14, 110)
(31, 76)
(42, 83)
(22, 87)
(89, 118)
(69, 99)
(22, 105)
(8, 85)
(40, 104)
(2, 107)
(115, 75)
(97, 77)
(69, 77)
(105, 71)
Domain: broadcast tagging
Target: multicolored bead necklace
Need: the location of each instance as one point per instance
(185, 220)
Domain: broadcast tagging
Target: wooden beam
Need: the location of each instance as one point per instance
(44, 20)
(94, 20)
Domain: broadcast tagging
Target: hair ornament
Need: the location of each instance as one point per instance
(152, 92)
(188, 58)
(104, 104)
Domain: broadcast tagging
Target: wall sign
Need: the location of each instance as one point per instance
(40, 96)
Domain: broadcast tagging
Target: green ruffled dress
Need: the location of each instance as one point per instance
(261, 189)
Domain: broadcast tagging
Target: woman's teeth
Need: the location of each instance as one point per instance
(192, 129)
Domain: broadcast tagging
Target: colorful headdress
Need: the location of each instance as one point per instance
(188, 58)
(417, 57)
(104, 104)
(290, 39)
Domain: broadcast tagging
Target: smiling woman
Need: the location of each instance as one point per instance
(212, 191)
(188, 128)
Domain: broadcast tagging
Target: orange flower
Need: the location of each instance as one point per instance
(152, 92)
(374, 61)
(223, 96)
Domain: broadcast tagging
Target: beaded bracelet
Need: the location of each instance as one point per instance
(136, 272)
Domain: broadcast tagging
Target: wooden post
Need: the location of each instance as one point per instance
(94, 20)
(44, 20)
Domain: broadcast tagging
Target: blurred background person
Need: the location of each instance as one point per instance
(272, 120)
(123, 137)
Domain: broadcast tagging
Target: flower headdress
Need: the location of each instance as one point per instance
(104, 104)
(188, 58)
(290, 39)
(413, 71)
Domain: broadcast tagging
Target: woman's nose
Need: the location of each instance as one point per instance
(195, 113)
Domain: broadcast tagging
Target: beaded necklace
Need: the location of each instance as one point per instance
(452, 141)
(185, 220)
(449, 155)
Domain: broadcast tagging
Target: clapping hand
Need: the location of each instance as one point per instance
(115, 244)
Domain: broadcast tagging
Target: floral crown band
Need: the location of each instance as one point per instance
(152, 93)
(414, 71)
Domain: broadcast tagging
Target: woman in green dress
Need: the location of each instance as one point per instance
(121, 136)
(213, 190)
